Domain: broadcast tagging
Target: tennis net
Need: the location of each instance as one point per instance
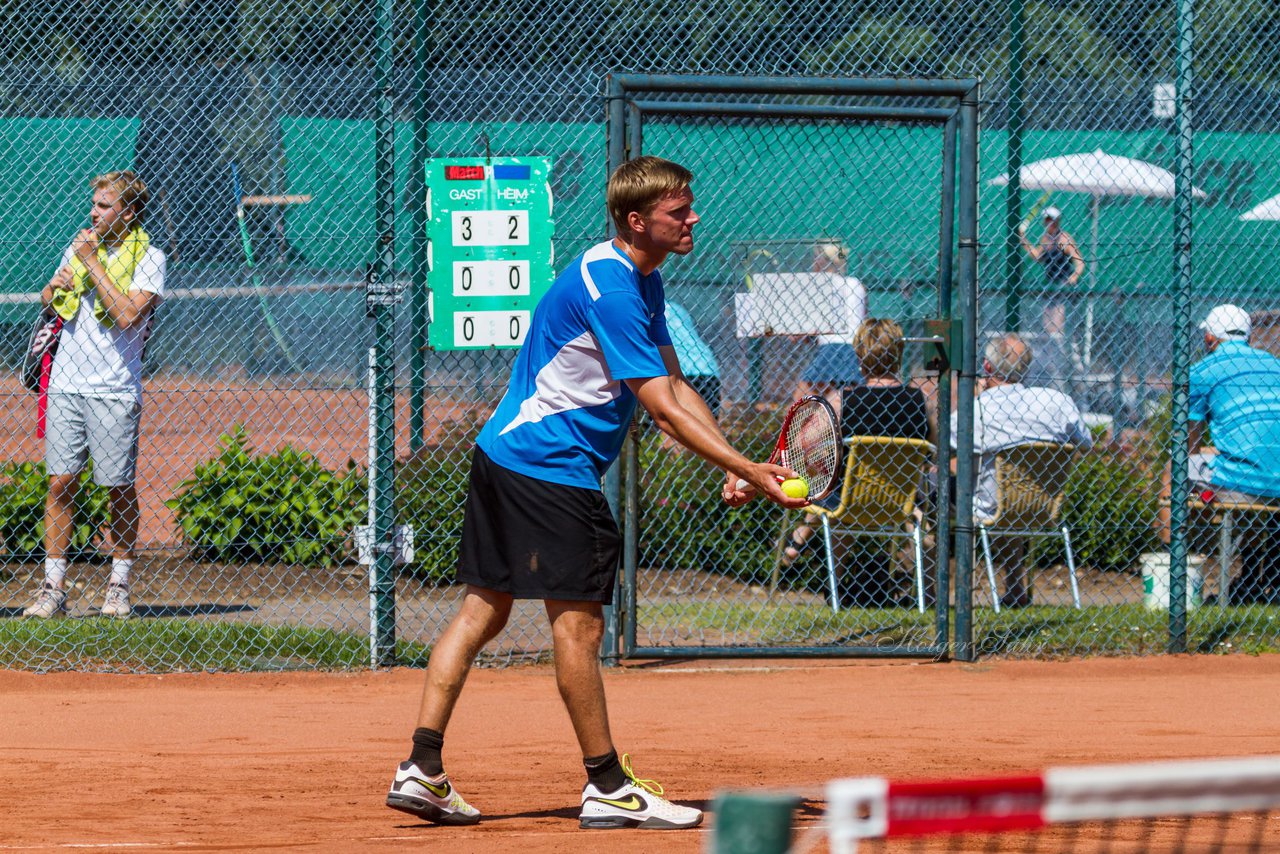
(1221, 805)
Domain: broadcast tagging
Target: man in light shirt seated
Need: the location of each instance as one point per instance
(1007, 414)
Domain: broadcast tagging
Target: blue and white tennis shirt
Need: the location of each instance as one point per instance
(567, 409)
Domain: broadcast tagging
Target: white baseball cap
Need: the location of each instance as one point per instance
(1052, 213)
(1228, 323)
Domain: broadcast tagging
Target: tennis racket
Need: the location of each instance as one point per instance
(1035, 209)
(809, 443)
(42, 344)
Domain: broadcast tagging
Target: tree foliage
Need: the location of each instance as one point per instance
(1101, 40)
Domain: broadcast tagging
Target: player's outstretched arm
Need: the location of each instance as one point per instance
(658, 398)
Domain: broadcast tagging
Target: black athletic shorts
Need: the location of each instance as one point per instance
(537, 540)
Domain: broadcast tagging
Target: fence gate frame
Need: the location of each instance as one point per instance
(630, 98)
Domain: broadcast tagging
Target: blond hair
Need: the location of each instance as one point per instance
(131, 192)
(878, 344)
(638, 185)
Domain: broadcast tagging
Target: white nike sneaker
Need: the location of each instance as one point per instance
(639, 803)
(429, 798)
(116, 603)
(50, 602)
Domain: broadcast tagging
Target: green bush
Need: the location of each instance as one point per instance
(1110, 504)
(284, 507)
(23, 489)
(431, 488)
(685, 524)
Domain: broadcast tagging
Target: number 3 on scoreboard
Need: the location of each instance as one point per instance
(490, 228)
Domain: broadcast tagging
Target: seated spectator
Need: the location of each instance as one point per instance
(1007, 414)
(881, 406)
(1235, 391)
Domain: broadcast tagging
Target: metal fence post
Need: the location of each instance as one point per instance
(418, 298)
(944, 582)
(384, 604)
(967, 221)
(1181, 331)
(1013, 162)
(614, 614)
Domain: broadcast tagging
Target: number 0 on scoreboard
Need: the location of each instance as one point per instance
(490, 328)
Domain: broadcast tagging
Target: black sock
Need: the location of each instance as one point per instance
(427, 744)
(604, 772)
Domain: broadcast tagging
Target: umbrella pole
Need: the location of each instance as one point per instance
(1092, 261)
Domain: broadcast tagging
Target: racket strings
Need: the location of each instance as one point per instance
(813, 447)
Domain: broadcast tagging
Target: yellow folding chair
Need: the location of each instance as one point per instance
(877, 499)
(1030, 480)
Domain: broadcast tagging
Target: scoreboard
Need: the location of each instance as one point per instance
(489, 228)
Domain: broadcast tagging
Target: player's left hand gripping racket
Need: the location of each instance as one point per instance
(809, 443)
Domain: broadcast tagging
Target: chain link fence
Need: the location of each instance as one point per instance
(253, 124)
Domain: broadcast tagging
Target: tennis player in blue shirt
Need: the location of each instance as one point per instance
(537, 525)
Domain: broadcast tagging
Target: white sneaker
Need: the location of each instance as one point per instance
(639, 803)
(50, 602)
(116, 603)
(431, 798)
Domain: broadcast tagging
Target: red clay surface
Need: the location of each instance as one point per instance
(283, 761)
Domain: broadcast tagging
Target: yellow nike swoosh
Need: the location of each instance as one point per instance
(631, 803)
(440, 790)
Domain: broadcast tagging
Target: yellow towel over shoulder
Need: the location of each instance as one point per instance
(120, 269)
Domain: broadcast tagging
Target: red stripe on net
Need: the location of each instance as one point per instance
(960, 806)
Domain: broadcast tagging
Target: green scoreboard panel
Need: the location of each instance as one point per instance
(489, 225)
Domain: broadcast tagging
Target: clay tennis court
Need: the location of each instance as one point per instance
(302, 760)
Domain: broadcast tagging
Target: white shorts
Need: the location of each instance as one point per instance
(80, 427)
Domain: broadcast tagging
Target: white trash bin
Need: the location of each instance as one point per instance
(1155, 581)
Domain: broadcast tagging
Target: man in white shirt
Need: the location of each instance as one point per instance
(106, 290)
(1006, 414)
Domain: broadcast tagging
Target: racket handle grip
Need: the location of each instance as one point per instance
(742, 484)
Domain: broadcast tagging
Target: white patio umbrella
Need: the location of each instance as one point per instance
(1267, 211)
(1097, 174)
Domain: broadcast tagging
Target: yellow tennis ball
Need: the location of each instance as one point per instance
(796, 487)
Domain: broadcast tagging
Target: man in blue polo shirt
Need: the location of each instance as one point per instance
(537, 525)
(1235, 394)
